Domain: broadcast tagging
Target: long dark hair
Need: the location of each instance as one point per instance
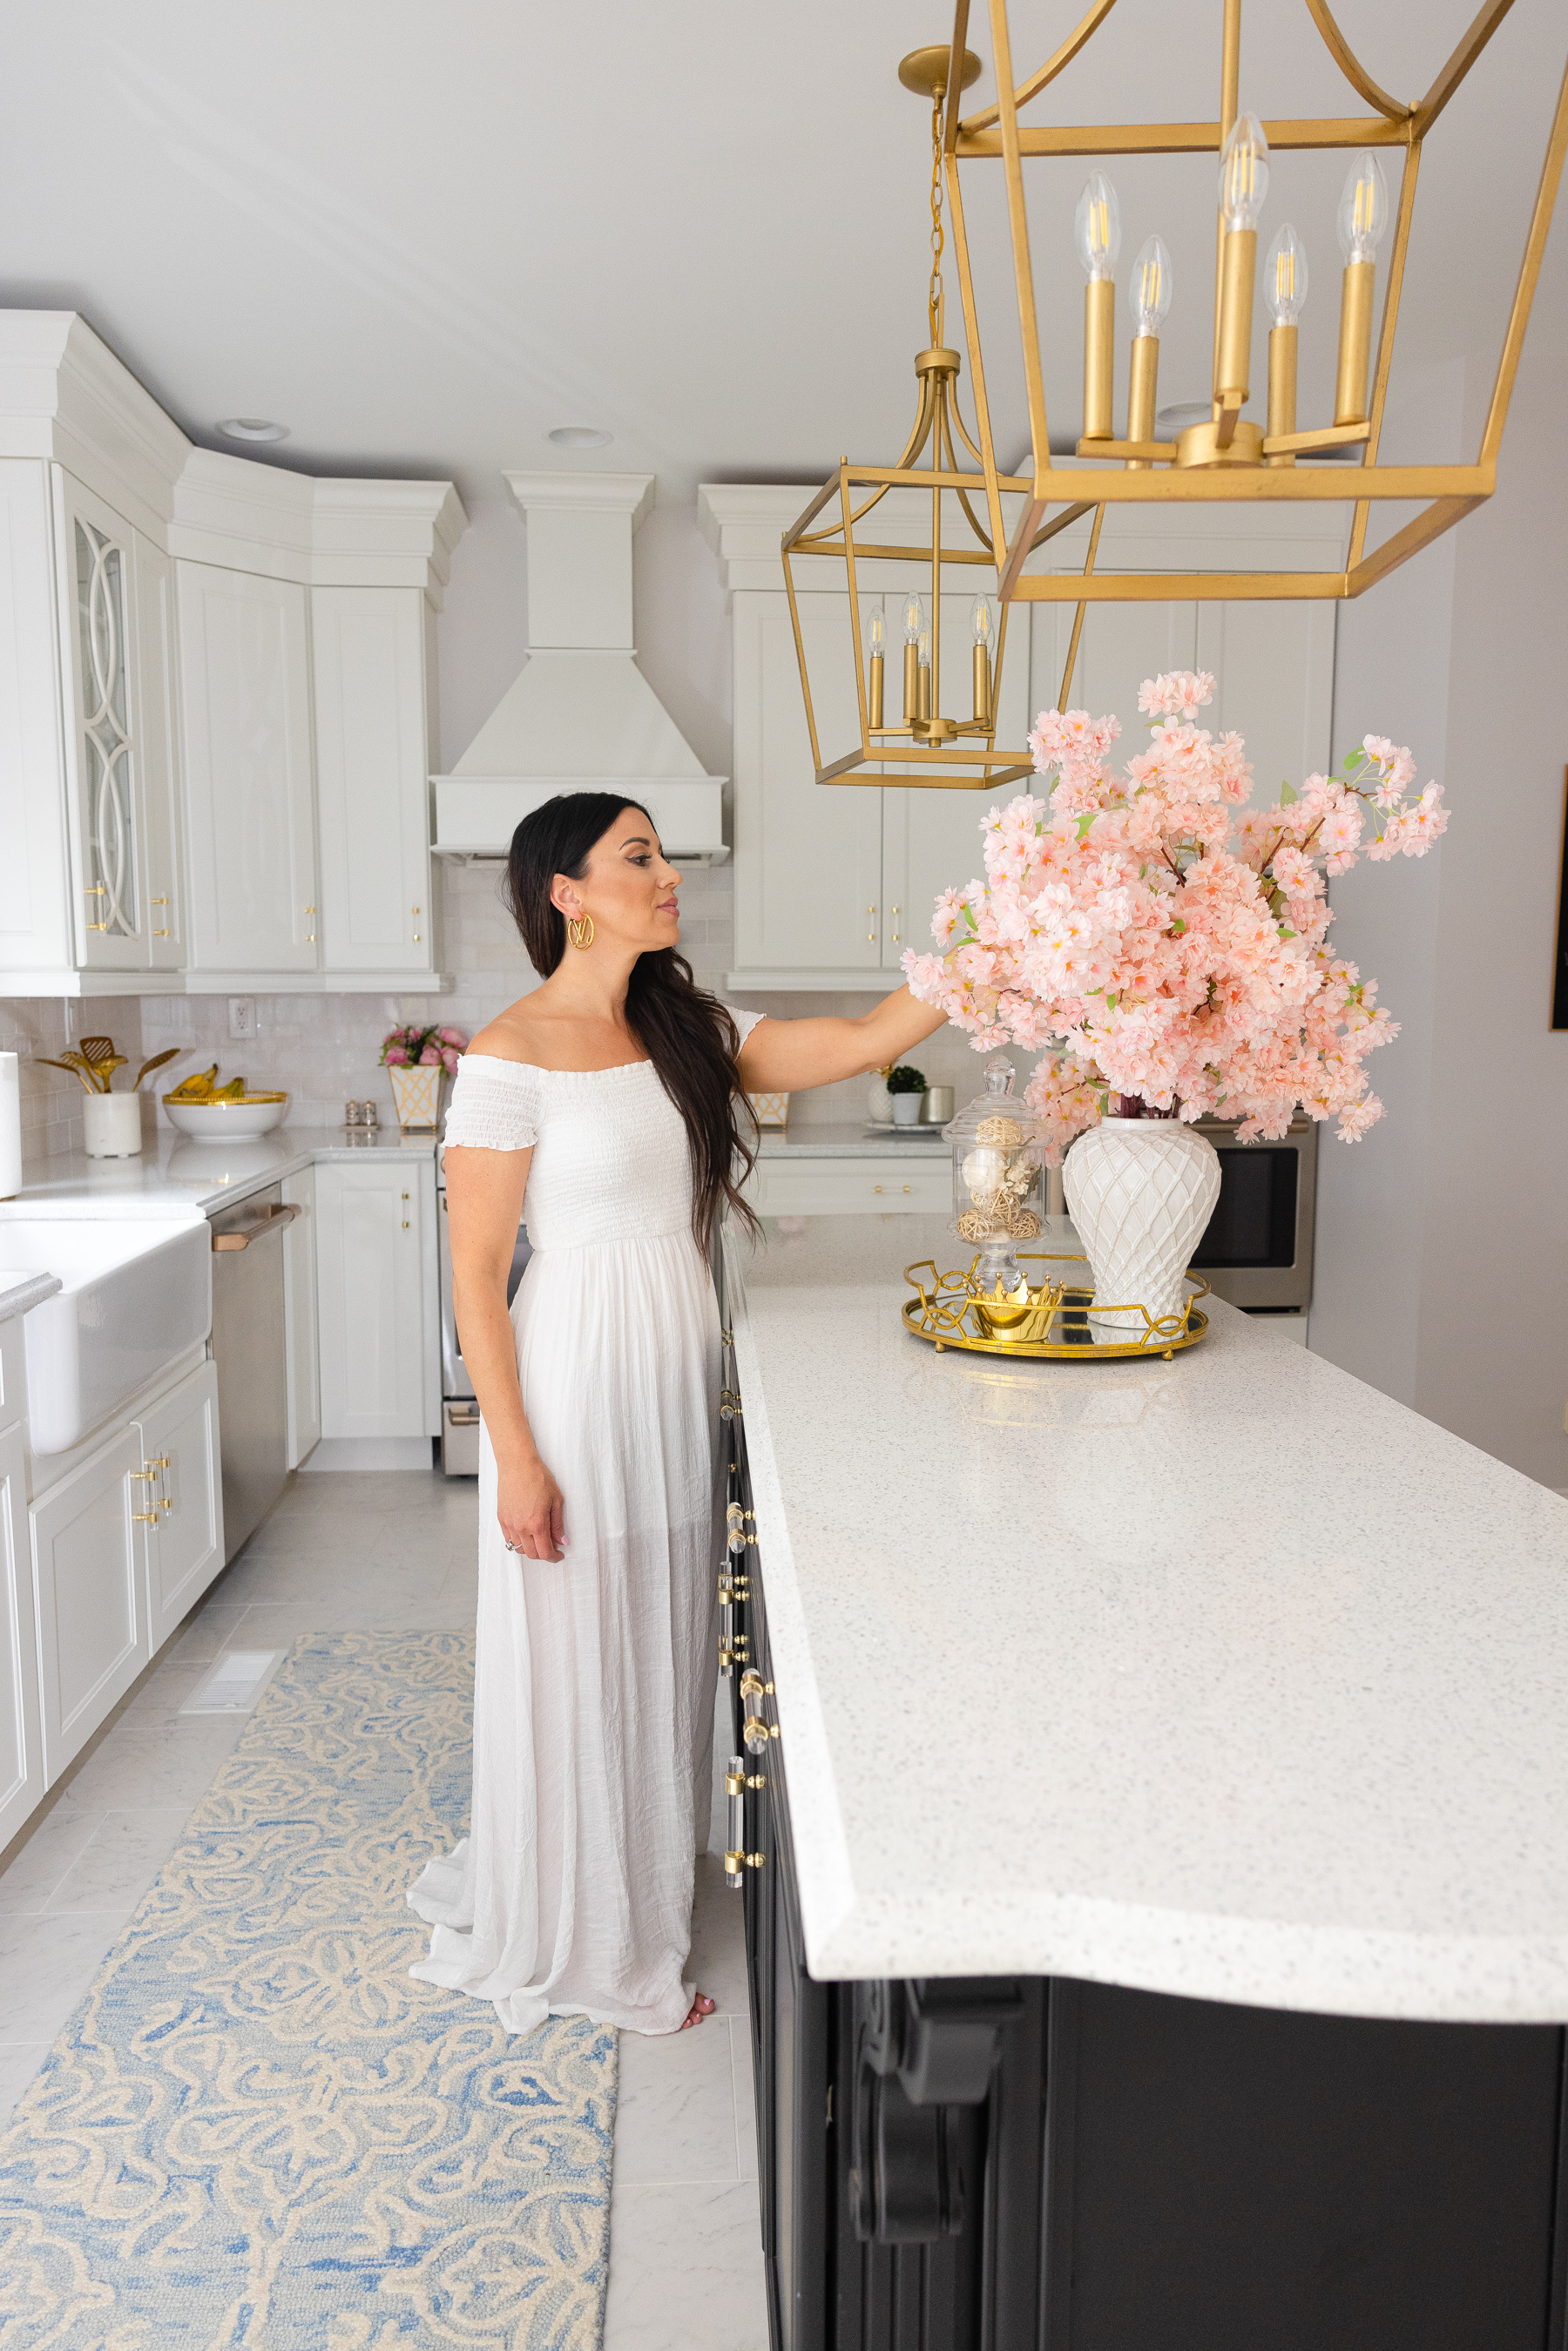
(688, 1035)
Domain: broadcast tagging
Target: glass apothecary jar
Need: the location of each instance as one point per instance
(998, 1156)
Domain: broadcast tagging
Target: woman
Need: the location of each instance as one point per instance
(603, 1106)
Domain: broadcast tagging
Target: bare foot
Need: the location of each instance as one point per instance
(702, 2006)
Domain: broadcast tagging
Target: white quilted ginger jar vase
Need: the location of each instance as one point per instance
(1140, 1192)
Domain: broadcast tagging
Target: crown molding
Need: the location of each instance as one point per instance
(64, 397)
(628, 494)
(334, 533)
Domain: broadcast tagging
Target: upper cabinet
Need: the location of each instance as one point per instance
(833, 883)
(245, 658)
(374, 651)
(216, 700)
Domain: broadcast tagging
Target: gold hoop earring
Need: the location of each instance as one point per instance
(581, 932)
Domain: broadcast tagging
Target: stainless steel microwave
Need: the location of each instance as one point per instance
(1256, 1251)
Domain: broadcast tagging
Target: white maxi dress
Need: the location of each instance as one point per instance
(594, 1688)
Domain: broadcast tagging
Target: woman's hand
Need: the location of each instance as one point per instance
(530, 1511)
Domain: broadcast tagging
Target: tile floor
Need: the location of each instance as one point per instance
(342, 1552)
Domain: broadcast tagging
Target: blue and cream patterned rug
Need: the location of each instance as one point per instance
(257, 2129)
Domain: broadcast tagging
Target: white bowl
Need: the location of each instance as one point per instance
(212, 1120)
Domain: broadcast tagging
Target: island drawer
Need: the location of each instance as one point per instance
(840, 1187)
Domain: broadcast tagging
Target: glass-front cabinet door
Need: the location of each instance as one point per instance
(105, 750)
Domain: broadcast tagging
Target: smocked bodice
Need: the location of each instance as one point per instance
(611, 1161)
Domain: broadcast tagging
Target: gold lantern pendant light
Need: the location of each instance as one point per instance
(907, 736)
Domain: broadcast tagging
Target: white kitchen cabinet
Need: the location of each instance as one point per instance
(376, 1292)
(849, 1187)
(299, 1317)
(808, 858)
(374, 753)
(249, 796)
(90, 878)
(21, 1746)
(89, 1596)
(179, 1510)
(834, 881)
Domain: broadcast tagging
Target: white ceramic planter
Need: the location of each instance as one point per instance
(112, 1125)
(1140, 1192)
(906, 1109)
(416, 1092)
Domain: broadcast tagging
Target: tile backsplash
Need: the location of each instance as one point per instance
(323, 1050)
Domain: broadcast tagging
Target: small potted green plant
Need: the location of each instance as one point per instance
(907, 1087)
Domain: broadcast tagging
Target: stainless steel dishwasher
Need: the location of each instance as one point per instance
(249, 1349)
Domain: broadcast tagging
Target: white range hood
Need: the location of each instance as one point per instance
(580, 716)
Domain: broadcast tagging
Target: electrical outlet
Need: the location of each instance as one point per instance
(242, 1016)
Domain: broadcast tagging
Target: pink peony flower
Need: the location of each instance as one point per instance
(395, 1056)
(430, 1058)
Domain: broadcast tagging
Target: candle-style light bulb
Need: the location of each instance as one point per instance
(913, 621)
(1285, 291)
(1363, 208)
(1097, 230)
(1243, 184)
(1097, 226)
(1363, 217)
(1149, 292)
(923, 684)
(876, 649)
(1243, 172)
(1285, 278)
(981, 630)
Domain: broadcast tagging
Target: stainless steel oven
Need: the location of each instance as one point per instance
(1258, 1248)
(459, 1412)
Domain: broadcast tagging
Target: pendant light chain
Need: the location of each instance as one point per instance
(937, 237)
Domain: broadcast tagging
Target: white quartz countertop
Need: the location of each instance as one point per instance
(176, 1174)
(1224, 1677)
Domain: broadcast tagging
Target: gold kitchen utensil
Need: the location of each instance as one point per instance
(78, 1069)
(155, 1064)
(99, 1052)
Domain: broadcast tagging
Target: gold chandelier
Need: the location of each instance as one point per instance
(905, 736)
(1225, 457)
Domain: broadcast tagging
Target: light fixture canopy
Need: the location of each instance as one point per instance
(1220, 456)
(252, 428)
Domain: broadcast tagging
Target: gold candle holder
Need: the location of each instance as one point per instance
(1099, 356)
(1281, 389)
(923, 676)
(911, 682)
(1143, 379)
(1354, 342)
(1233, 352)
(874, 691)
(982, 686)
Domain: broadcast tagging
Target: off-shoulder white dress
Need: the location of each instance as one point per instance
(593, 1697)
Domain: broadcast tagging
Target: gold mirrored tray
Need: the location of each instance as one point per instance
(1049, 1319)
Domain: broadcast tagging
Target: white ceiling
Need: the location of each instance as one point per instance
(422, 234)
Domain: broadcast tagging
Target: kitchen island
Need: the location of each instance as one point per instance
(1157, 1884)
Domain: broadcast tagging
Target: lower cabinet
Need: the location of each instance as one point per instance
(376, 1293)
(180, 1511)
(846, 1187)
(121, 1548)
(90, 1594)
(21, 1750)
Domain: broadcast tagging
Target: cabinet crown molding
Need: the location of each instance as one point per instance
(334, 533)
(65, 395)
(628, 494)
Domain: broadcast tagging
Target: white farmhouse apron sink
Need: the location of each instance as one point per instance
(135, 1295)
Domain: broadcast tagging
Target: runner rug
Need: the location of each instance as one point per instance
(257, 2129)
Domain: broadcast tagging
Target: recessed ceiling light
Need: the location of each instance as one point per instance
(580, 436)
(252, 428)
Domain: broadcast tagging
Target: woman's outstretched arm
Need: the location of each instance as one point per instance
(786, 1056)
(483, 1206)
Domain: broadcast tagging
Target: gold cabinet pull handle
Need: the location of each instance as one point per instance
(405, 1223)
(871, 934)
